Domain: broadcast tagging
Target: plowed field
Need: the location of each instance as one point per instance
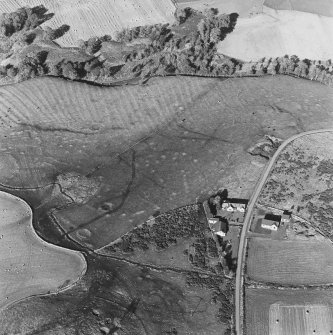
(88, 18)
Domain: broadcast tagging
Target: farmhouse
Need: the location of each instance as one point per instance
(232, 205)
(218, 226)
(271, 222)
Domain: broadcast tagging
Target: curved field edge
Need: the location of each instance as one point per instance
(31, 258)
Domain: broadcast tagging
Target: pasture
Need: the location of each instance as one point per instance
(300, 320)
(290, 262)
(89, 18)
(187, 138)
(28, 265)
(320, 7)
(262, 306)
(269, 35)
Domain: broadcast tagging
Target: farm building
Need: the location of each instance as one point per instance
(286, 217)
(218, 226)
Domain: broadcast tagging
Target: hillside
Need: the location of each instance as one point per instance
(89, 18)
(278, 32)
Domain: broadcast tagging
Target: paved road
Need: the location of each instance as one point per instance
(239, 303)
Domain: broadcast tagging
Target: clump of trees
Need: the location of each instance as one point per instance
(23, 19)
(184, 222)
(182, 14)
(53, 34)
(94, 44)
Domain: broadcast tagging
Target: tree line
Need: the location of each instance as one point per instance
(187, 47)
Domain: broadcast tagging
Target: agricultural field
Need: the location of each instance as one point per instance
(243, 7)
(268, 35)
(308, 319)
(90, 18)
(320, 7)
(29, 266)
(290, 262)
(301, 180)
(181, 150)
(292, 307)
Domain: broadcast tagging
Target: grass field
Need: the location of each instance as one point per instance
(89, 18)
(196, 133)
(300, 320)
(320, 7)
(29, 266)
(242, 7)
(290, 262)
(263, 304)
(269, 35)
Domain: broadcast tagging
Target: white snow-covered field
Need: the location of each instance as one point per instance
(88, 18)
(276, 33)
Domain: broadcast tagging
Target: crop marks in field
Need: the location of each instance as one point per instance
(300, 320)
(290, 262)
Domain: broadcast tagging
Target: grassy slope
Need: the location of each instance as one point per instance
(204, 127)
(269, 35)
(110, 15)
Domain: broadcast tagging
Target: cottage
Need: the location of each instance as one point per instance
(233, 205)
